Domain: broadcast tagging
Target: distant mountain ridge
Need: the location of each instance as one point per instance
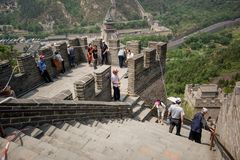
(47, 15)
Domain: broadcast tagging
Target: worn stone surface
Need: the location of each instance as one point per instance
(228, 126)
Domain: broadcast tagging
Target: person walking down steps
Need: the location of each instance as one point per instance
(116, 82)
(199, 122)
(161, 107)
(176, 113)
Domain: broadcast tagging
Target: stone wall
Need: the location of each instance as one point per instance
(85, 88)
(228, 126)
(19, 113)
(213, 106)
(29, 76)
(103, 82)
(144, 69)
(114, 46)
(134, 46)
(193, 96)
(64, 95)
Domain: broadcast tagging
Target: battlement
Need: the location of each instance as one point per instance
(85, 88)
(29, 76)
(205, 95)
(144, 68)
(19, 113)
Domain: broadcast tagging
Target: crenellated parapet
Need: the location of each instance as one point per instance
(29, 76)
(85, 89)
(144, 69)
(134, 46)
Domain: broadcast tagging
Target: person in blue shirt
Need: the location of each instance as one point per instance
(198, 122)
(43, 69)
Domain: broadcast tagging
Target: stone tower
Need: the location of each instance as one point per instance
(108, 32)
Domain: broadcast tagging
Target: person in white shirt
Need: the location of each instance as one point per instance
(161, 107)
(121, 56)
(176, 112)
(60, 59)
(116, 82)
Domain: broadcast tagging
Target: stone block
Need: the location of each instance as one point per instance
(134, 46)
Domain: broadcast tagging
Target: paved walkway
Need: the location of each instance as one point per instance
(67, 80)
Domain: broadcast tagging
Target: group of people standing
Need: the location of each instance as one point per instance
(57, 62)
(175, 117)
(93, 57)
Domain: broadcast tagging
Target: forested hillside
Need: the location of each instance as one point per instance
(203, 58)
(39, 15)
(183, 16)
(63, 16)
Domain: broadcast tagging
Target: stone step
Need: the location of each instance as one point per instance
(132, 100)
(62, 135)
(143, 115)
(86, 129)
(41, 148)
(17, 152)
(109, 147)
(153, 120)
(66, 143)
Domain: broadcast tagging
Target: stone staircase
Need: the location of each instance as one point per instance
(102, 140)
(140, 110)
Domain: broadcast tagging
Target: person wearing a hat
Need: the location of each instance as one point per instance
(198, 122)
(176, 113)
(116, 82)
(104, 49)
(43, 69)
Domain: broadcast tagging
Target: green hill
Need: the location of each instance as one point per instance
(184, 16)
(203, 58)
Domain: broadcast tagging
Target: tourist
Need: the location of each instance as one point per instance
(71, 56)
(121, 55)
(176, 113)
(60, 59)
(116, 82)
(198, 122)
(104, 50)
(160, 110)
(43, 69)
(95, 56)
(89, 53)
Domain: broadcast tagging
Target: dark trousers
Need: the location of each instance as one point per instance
(116, 93)
(195, 136)
(63, 67)
(72, 61)
(175, 122)
(104, 59)
(121, 60)
(46, 76)
(95, 63)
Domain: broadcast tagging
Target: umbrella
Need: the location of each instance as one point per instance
(172, 99)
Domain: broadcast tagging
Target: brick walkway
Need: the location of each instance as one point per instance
(67, 80)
